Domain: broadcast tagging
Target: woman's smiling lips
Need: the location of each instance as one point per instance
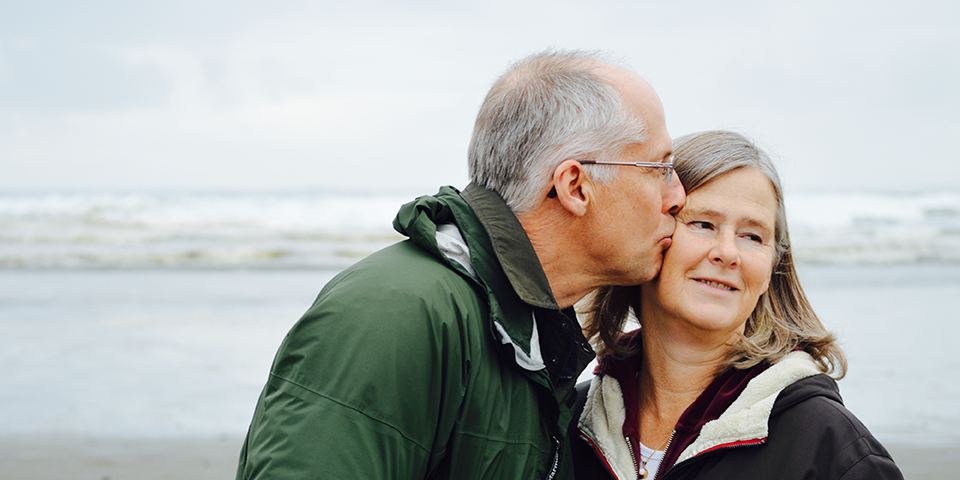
(717, 284)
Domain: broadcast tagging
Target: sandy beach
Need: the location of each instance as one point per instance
(49, 457)
(54, 457)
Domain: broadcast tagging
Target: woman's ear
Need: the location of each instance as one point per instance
(571, 187)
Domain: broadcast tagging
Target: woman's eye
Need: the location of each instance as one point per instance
(753, 237)
(701, 224)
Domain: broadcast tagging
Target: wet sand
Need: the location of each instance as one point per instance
(926, 463)
(51, 457)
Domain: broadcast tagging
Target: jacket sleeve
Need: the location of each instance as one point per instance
(367, 384)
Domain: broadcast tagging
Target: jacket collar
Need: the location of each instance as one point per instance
(512, 246)
(494, 253)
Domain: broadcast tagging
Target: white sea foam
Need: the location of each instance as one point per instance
(873, 228)
(331, 231)
(193, 230)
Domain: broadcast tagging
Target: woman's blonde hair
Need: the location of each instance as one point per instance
(782, 321)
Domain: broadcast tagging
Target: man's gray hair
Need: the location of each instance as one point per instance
(545, 109)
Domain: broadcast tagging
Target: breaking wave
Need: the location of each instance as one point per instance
(332, 231)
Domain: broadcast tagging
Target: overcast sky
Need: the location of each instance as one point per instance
(379, 95)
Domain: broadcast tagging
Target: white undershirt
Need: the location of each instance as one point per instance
(653, 464)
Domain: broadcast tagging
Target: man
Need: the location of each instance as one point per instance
(454, 354)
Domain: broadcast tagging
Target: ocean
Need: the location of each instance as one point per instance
(176, 230)
(158, 314)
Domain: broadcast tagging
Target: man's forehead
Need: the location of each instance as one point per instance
(652, 150)
(631, 86)
(661, 146)
(658, 145)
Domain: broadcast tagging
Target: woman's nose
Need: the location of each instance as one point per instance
(725, 251)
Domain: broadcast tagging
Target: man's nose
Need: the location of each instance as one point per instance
(673, 195)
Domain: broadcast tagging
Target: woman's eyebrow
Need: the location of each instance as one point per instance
(753, 222)
(713, 214)
(703, 212)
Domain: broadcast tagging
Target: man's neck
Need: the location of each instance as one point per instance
(560, 257)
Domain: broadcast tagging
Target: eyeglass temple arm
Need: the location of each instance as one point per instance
(635, 164)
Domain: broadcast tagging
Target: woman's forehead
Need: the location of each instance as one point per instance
(743, 195)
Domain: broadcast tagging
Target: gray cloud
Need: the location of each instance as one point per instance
(44, 79)
(380, 95)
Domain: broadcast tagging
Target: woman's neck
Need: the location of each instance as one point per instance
(672, 375)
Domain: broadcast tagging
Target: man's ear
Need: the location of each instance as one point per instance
(571, 187)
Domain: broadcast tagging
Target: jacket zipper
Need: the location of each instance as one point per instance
(672, 434)
(556, 459)
(633, 456)
(715, 449)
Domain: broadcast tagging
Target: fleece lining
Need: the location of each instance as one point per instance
(602, 422)
(747, 418)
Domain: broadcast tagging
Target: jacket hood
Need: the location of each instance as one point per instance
(418, 219)
(814, 386)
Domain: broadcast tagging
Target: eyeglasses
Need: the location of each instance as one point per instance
(666, 168)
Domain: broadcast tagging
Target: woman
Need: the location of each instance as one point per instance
(727, 376)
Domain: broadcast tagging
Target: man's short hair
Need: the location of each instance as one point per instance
(547, 108)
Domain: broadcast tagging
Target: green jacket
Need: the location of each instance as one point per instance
(416, 362)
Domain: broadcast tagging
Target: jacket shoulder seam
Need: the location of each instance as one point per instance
(498, 439)
(859, 438)
(351, 407)
(861, 459)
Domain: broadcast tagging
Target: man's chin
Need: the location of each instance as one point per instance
(653, 271)
(659, 266)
